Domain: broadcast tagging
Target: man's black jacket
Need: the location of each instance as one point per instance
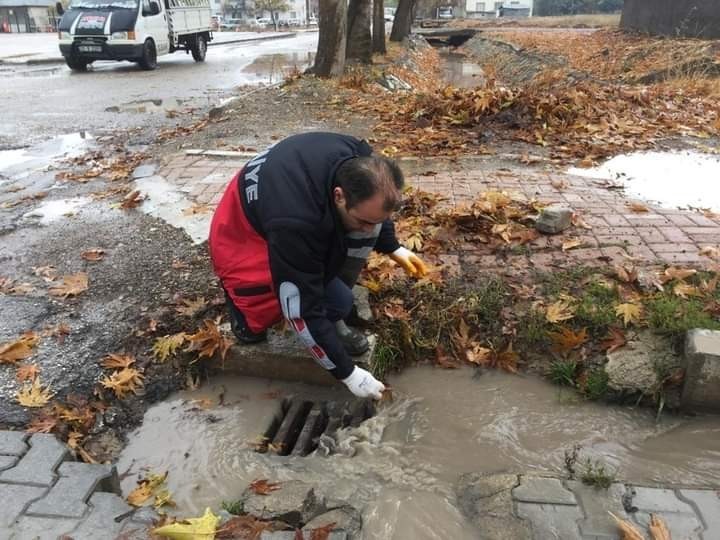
(287, 197)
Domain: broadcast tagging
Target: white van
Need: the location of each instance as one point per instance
(134, 30)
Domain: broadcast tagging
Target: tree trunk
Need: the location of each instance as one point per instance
(378, 36)
(359, 39)
(403, 20)
(332, 22)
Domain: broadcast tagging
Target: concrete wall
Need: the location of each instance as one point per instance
(687, 18)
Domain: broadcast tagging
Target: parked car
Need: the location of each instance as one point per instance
(231, 24)
(312, 21)
(265, 21)
(445, 12)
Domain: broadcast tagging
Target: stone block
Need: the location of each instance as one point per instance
(679, 515)
(7, 462)
(537, 489)
(69, 496)
(345, 518)
(701, 389)
(143, 171)
(283, 357)
(486, 501)
(554, 219)
(636, 366)
(550, 521)
(37, 467)
(294, 503)
(12, 443)
(43, 528)
(707, 503)
(596, 504)
(306, 535)
(362, 303)
(15, 498)
(105, 519)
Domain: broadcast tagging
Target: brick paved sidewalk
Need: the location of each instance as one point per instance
(618, 235)
(44, 495)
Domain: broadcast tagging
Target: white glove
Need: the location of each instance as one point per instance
(363, 384)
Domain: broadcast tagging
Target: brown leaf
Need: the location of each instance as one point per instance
(48, 273)
(27, 372)
(573, 243)
(132, 200)
(676, 273)
(627, 274)
(20, 349)
(117, 361)
(59, 331)
(244, 527)
(614, 339)
(42, 424)
(189, 308)
(566, 339)
(263, 487)
(207, 340)
(96, 254)
(578, 221)
(72, 285)
(658, 529)
(322, 533)
(506, 360)
(683, 290)
(628, 531)
(443, 360)
(710, 251)
(638, 207)
(8, 286)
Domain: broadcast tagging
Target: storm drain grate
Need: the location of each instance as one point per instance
(298, 425)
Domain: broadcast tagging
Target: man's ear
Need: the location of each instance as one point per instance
(338, 195)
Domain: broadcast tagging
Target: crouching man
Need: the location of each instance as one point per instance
(291, 235)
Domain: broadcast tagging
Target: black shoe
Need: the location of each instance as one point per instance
(354, 342)
(244, 334)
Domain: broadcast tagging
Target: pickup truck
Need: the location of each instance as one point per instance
(134, 30)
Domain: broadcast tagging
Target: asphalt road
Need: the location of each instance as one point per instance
(41, 102)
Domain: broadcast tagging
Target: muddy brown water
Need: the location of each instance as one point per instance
(459, 71)
(400, 467)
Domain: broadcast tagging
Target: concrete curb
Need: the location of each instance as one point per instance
(249, 40)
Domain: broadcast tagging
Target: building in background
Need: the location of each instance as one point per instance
(20, 16)
(477, 9)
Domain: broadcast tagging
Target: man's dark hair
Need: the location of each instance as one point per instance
(362, 177)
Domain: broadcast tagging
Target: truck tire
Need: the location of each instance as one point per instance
(76, 63)
(199, 48)
(149, 56)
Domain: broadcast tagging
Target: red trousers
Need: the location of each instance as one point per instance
(240, 259)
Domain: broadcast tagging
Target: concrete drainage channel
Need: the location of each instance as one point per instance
(300, 425)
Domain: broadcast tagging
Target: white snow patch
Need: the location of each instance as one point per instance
(165, 201)
(670, 179)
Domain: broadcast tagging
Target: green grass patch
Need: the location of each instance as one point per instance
(562, 372)
(672, 315)
(596, 308)
(386, 359)
(235, 508)
(596, 384)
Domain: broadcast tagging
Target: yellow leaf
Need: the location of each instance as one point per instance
(163, 498)
(118, 361)
(559, 311)
(637, 207)
(683, 290)
(628, 312)
(72, 285)
(676, 273)
(202, 528)
(124, 381)
(34, 394)
(166, 346)
(145, 489)
(569, 244)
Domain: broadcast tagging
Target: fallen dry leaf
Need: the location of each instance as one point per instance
(566, 339)
(43, 424)
(614, 339)
(72, 285)
(559, 311)
(146, 488)
(117, 361)
(263, 487)
(207, 340)
(201, 528)
(573, 243)
(628, 312)
(443, 360)
(132, 200)
(638, 207)
(59, 332)
(8, 286)
(48, 273)
(20, 349)
(710, 251)
(167, 346)
(245, 527)
(188, 308)
(96, 254)
(124, 381)
(322, 533)
(627, 529)
(34, 394)
(627, 274)
(27, 372)
(683, 290)
(672, 272)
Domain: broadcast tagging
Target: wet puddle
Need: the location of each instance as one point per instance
(401, 466)
(24, 161)
(147, 106)
(274, 68)
(670, 179)
(459, 71)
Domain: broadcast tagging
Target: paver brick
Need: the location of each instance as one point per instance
(551, 521)
(68, 497)
(14, 499)
(43, 528)
(105, 519)
(37, 467)
(707, 503)
(7, 462)
(12, 443)
(596, 504)
(538, 489)
(674, 248)
(679, 516)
